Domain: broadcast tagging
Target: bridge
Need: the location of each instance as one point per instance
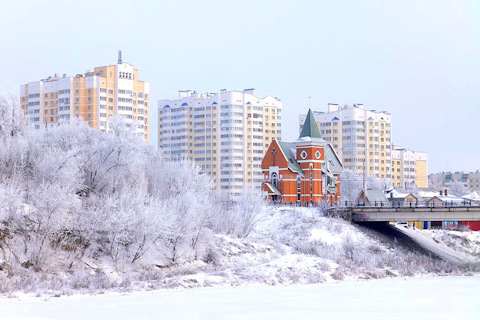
(404, 214)
(397, 211)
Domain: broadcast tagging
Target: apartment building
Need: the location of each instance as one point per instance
(93, 96)
(473, 181)
(409, 168)
(470, 181)
(362, 138)
(225, 133)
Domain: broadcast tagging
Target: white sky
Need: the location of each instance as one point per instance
(418, 60)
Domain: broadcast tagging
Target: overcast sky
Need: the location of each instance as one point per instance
(418, 60)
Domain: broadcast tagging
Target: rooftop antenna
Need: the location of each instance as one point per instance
(119, 56)
(309, 102)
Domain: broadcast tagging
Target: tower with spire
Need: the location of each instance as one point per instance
(305, 171)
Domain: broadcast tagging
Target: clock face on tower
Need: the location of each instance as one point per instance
(318, 154)
(303, 154)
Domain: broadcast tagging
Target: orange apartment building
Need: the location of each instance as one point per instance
(306, 171)
(94, 97)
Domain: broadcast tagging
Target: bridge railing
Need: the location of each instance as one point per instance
(403, 204)
(386, 204)
(304, 204)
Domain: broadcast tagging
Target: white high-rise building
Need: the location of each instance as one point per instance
(225, 133)
(362, 138)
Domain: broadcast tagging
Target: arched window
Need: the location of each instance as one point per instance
(299, 189)
(274, 179)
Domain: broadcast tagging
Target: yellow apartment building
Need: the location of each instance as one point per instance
(409, 168)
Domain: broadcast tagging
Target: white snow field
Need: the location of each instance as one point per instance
(399, 298)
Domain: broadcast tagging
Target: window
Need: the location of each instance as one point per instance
(299, 189)
(274, 179)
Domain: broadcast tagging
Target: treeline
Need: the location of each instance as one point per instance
(71, 194)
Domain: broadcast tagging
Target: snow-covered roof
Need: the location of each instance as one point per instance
(272, 189)
(428, 193)
(376, 195)
(472, 196)
(449, 198)
(287, 149)
(334, 163)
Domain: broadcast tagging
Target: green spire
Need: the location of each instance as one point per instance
(310, 127)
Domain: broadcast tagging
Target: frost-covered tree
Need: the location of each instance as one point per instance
(457, 188)
(70, 194)
(350, 185)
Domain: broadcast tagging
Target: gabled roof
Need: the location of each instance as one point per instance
(334, 162)
(310, 127)
(291, 157)
(376, 195)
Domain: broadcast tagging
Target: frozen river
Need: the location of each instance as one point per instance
(400, 298)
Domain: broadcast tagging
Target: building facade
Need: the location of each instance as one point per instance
(473, 181)
(470, 181)
(409, 168)
(361, 137)
(305, 171)
(225, 133)
(92, 96)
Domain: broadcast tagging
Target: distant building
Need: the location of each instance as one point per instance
(402, 199)
(470, 181)
(473, 197)
(92, 96)
(305, 171)
(447, 200)
(451, 178)
(473, 181)
(361, 137)
(373, 197)
(225, 133)
(409, 168)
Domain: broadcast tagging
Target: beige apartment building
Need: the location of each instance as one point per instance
(362, 138)
(409, 168)
(93, 96)
(225, 133)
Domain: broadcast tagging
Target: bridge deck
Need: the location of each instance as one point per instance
(453, 213)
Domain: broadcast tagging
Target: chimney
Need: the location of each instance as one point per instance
(441, 192)
(446, 192)
(119, 56)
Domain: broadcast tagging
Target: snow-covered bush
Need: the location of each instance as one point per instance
(72, 195)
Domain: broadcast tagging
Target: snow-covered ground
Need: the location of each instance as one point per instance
(400, 298)
(288, 246)
(426, 240)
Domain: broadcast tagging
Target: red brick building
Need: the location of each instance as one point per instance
(307, 170)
